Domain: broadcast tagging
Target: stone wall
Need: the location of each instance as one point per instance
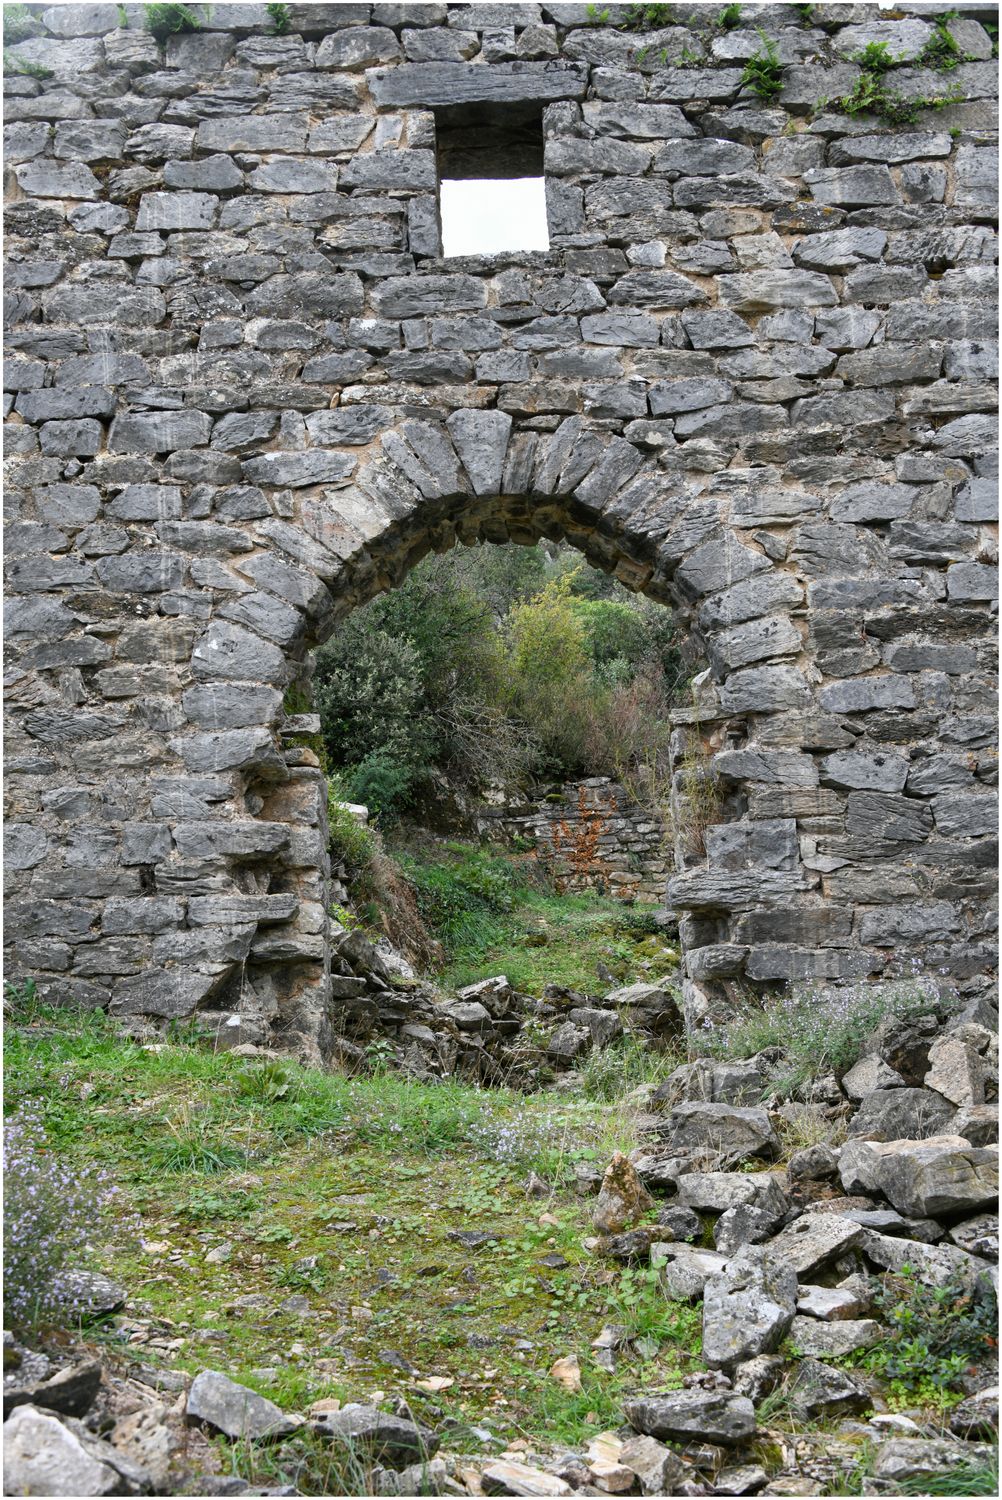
(590, 835)
(751, 377)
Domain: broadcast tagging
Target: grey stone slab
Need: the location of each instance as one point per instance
(428, 85)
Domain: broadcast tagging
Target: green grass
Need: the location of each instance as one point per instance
(962, 1479)
(608, 1073)
(344, 1191)
(493, 913)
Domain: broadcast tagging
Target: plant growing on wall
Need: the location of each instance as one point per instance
(763, 72)
(168, 20)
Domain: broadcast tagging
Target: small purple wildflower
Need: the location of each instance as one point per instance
(53, 1215)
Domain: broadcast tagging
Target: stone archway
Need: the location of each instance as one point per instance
(246, 393)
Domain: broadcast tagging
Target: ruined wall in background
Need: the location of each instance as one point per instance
(590, 836)
(752, 376)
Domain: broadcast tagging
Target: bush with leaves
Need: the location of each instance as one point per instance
(493, 666)
(934, 1336)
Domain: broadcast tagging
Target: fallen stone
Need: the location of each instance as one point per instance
(716, 1192)
(956, 1071)
(747, 1309)
(622, 1198)
(978, 1236)
(43, 1456)
(506, 1477)
(831, 1303)
(816, 1391)
(901, 1113)
(723, 1133)
(833, 1340)
(868, 1075)
(71, 1391)
(709, 1416)
(742, 1225)
(813, 1164)
(685, 1270)
(389, 1439)
(977, 1416)
(659, 1470)
(234, 1410)
(915, 1459)
(812, 1241)
(89, 1294)
(933, 1265)
(938, 1181)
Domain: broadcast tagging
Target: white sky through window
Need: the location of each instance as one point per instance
(484, 217)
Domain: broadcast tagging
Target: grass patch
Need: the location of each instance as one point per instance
(608, 1073)
(495, 914)
(346, 1194)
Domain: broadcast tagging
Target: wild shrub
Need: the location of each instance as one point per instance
(352, 844)
(500, 666)
(934, 1335)
(54, 1217)
(819, 1029)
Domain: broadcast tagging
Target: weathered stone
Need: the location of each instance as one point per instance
(868, 1075)
(503, 1476)
(44, 1456)
(56, 180)
(817, 1391)
(429, 85)
(658, 1469)
(748, 1309)
(937, 1181)
(622, 1199)
(686, 1415)
(901, 1114)
(721, 1131)
(820, 1340)
(684, 1270)
(717, 1192)
(381, 1436)
(812, 1241)
(767, 291)
(234, 1410)
(912, 1460)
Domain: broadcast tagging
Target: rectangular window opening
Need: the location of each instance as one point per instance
(492, 195)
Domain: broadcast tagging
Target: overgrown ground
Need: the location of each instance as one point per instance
(276, 1183)
(372, 1239)
(496, 911)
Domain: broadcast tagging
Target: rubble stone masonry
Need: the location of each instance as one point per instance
(752, 376)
